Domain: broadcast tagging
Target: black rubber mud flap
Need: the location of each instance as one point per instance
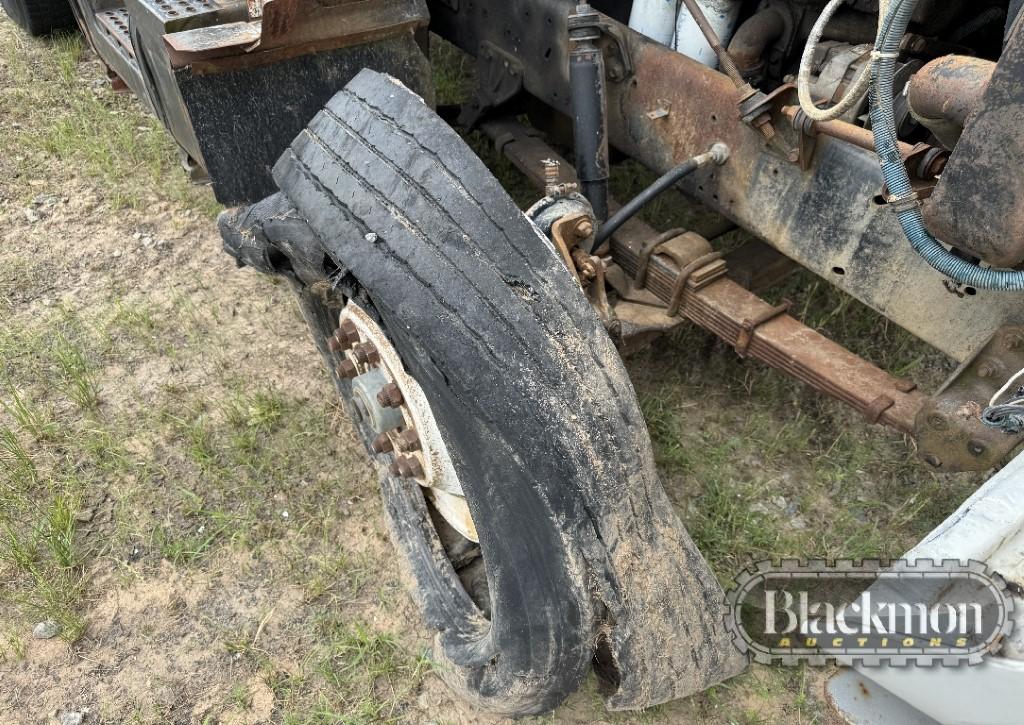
(40, 17)
(583, 551)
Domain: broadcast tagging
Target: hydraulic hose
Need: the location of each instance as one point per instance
(719, 153)
(803, 80)
(903, 199)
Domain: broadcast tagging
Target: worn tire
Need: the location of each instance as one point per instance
(40, 17)
(583, 552)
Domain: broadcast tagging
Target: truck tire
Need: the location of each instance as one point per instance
(40, 17)
(582, 559)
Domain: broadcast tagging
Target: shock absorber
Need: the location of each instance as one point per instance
(590, 127)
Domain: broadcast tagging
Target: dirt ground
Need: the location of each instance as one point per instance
(181, 495)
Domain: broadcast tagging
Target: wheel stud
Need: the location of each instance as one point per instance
(390, 396)
(346, 369)
(382, 444)
(366, 353)
(408, 441)
(406, 467)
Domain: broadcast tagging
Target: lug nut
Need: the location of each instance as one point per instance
(344, 337)
(366, 353)
(390, 396)
(406, 467)
(382, 444)
(408, 440)
(346, 369)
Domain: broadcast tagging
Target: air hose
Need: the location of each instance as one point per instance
(903, 199)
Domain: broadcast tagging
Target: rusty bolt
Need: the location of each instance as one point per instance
(346, 369)
(932, 460)
(366, 353)
(937, 421)
(344, 337)
(975, 447)
(390, 396)
(584, 228)
(406, 467)
(408, 440)
(381, 444)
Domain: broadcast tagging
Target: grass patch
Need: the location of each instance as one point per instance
(59, 109)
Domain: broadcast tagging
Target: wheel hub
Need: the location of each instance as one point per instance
(392, 405)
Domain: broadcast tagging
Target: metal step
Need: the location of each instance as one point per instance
(114, 25)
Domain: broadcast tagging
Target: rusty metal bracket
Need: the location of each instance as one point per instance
(648, 249)
(749, 326)
(949, 432)
(874, 410)
(676, 298)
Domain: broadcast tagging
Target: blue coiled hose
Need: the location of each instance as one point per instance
(903, 198)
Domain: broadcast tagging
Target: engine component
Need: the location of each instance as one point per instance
(943, 93)
(836, 69)
(988, 157)
(690, 39)
(976, 205)
(753, 37)
(854, 93)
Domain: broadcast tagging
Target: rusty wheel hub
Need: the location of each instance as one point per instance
(392, 406)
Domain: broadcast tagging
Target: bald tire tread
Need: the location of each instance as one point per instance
(583, 551)
(40, 17)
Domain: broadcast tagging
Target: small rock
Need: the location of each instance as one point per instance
(85, 515)
(46, 630)
(32, 215)
(284, 514)
(779, 501)
(792, 508)
(797, 523)
(137, 236)
(116, 253)
(70, 717)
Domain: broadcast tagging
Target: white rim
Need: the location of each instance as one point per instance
(439, 479)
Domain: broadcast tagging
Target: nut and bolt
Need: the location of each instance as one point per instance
(366, 353)
(408, 440)
(406, 467)
(390, 396)
(382, 444)
(585, 264)
(344, 337)
(346, 369)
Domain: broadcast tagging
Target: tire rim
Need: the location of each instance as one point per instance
(391, 404)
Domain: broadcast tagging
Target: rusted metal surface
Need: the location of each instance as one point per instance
(977, 203)
(830, 218)
(950, 436)
(756, 328)
(291, 27)
(946, 91)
